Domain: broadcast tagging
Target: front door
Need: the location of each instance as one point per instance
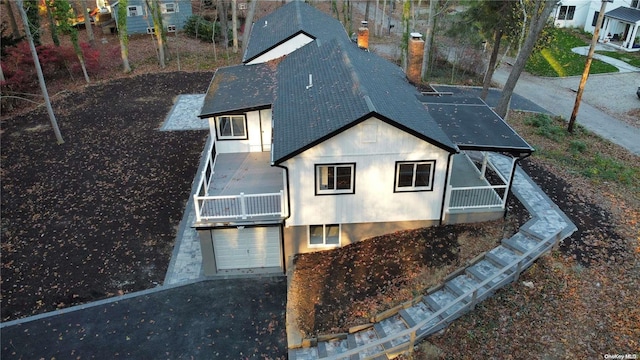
(265, 127)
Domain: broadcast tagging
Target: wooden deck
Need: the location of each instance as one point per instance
(248, 173)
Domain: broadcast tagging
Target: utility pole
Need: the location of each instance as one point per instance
(36, 61)
(587, 66)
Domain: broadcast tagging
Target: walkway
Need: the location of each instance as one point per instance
(622, 66)
(399, 330)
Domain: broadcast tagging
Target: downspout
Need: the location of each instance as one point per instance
(513, 173)
(446, 187)
(282, 224)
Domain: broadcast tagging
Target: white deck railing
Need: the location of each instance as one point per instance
(478, 197)
(468, 300)
(240, 206)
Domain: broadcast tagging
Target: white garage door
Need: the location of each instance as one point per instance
(251, 247)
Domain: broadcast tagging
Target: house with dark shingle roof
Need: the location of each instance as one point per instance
(317, 143)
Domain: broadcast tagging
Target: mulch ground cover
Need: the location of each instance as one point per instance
(96, 216)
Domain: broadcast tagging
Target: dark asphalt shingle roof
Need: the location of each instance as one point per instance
(288, 21)
(472, 125)
(240, 87)
(624, 13)
(349, 86)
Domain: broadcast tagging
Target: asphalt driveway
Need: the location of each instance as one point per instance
(222, 319)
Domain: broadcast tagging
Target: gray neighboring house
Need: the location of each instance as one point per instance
(174, 15)
(316, 143)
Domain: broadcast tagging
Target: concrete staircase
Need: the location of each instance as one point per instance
(502, 265)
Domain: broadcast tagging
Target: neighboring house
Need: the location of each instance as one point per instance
(316, 143)
(139, 21)
(620, 27)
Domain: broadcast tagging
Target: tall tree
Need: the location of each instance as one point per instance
(159, 30)
(15, 32)
(64, 18)
(123, 36)
(31, 9)
(87, 23)
(52, 22)
(36, 61)
(428, 39)
(234, 24)
(539, 15)
(248, 23)
(404, 47)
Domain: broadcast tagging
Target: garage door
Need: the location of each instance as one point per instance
(250, 247)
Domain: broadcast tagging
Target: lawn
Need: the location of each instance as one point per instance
(557, 60)
(632, 58)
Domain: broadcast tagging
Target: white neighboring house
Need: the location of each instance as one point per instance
(316, 144)
(621, 23)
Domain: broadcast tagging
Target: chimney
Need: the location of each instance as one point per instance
(416, 48)
(363, 36)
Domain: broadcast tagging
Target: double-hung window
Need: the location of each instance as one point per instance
(414, 175)
(134, 10)
(168, 8)
(324, 235)
(566, 12)
(335, 179)
(231, 127)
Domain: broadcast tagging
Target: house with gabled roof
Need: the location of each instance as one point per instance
(316, 143)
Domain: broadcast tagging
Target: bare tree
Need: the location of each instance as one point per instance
(428, 39)
(234, 24)
(123, 36)
(64, 18)
(159, 30)
(87, 23)
(248, 23)
(12, 20)
(538, 19)
(43, 86)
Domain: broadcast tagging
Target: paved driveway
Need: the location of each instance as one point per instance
(225, 319)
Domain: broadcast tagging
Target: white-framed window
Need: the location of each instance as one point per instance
(566, 12)
(414, 175)
(151, 30)
(327, 235)
(635, 4)
(134, 10)
(335, 179)
(231, 127)
(169, 8)
(171, 28)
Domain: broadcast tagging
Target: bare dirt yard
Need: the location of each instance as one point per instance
(97, 217)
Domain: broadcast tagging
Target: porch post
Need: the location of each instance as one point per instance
(243, 206)
(197, 207)
(634, 33)
(514, 162)
(485, 156)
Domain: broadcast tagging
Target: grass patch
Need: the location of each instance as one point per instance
(630, 58)
(557, 60)
(580, 152)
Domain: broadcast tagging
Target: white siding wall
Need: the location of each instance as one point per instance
(374, 199)
(282, 49)
(253, 143)
(580, 16)
(595, 6)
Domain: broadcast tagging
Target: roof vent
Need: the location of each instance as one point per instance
(310, 82)
(265, 23)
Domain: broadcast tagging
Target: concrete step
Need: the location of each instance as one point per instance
(520, 244)
(310, 353)
(440, 299)
(390, 326)
(364, 337)
(483, 269)
(418, 312)
(332, 347)
(502, 256)
(463, 283)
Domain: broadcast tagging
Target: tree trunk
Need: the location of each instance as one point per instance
(87, 23)
(222, 15)
(12, 20)
(406, 17)
(33, 19)
(375, 19)
(538, 20)
(428, 35)
(366, 11)
(248, 25)
(488, 76)
(52, 24)
(234, 25)
(36, 61)
(156, 15)
(123, 36)
(384, 10)
(78, 50)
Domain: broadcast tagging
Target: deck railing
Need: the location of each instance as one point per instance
(478, 197)
(240, 206)
(468, 300)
